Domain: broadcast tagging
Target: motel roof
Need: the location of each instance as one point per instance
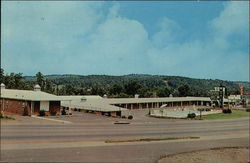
(105, 104)
(28, 95)
(153, 100)
(92, 104)
(80, 97)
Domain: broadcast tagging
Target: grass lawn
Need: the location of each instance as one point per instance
(6, 118)
(234, 114)
(150, 139)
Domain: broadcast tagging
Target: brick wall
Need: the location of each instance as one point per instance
(15, 106)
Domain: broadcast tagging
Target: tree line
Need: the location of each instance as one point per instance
(117, 86)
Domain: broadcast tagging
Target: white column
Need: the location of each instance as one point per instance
(32, 107)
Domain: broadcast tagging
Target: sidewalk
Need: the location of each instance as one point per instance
(56, 120)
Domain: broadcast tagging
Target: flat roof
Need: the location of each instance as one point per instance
(28, 95)
(158, 99)
(79, 97)
(107, 104)
(92, 104)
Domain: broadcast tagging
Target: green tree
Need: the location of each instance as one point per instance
(10, 81)
(163, 92)
(132, 87)
(40, 80)
(97, 90)
(184, 90)
(69, 89)
(48, 86)
(18, 81)
(1, 76)
(115, 89)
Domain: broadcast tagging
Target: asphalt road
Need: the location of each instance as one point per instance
(84, 142)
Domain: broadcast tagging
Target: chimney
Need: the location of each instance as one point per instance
(2, 86)
(37, 88)
(136, 96)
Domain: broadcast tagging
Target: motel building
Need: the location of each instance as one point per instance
(116, 107)
(28, 102)
(31, 102)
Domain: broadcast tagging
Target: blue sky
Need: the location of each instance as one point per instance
(192, 39)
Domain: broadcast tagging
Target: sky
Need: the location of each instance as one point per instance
(208, 40)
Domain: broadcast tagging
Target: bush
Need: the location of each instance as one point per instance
(124, 116)
(25, 111)
(227, 111)
(248, 110)
(42, 113)
(6, 117)
(130, 117)
(53, 113)
(201, 109)
(63, 112)
(191, 115)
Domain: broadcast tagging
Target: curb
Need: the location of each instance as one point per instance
(56, 120)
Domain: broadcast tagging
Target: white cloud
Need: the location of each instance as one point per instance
(167, 32)
(233, 19)
(117, 42)
(43, 21)
(213, 57)
(79, 38)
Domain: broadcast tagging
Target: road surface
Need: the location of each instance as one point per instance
(84, 139)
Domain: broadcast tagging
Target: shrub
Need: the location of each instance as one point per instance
(25, 111)
(248, 110)
(42, 113)
(191, 115)
(75, 109)
(6, 117)
(130, 117)
(63, 112)
(227, 111)
(53, 113)
(124, 116)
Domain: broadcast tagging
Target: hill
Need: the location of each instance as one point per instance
(199, 87)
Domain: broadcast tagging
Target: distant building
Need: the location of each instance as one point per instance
(218, 96)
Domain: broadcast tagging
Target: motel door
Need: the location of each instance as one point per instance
(44, 105)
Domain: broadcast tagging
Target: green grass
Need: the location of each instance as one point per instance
(234, 114)
(150, 139)
(121, 122)
(6, 117)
